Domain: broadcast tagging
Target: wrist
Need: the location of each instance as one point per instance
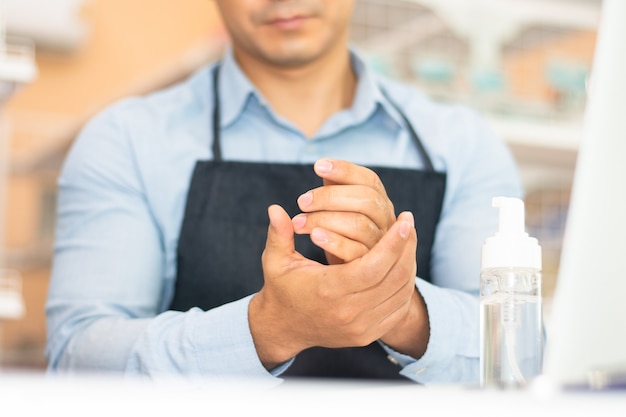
(266, 328)
(411, 335)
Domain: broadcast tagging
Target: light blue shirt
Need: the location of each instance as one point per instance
(122, 195)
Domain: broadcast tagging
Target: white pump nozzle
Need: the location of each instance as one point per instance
(511, 214)
(511, 246)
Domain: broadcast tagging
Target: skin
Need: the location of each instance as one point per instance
(297, 46)
(349, 214)
(368, 290)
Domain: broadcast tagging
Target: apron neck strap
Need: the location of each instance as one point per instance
(216, 148)
(428, 164)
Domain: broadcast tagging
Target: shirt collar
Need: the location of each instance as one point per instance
(236, 89)
(369, 95)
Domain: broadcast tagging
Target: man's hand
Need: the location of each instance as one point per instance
(304, 303)
(349, 214)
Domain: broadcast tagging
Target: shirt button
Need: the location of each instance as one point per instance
(421, 370)
(392, 360)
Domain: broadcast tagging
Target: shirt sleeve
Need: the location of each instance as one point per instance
(104, 307)
(479, 166)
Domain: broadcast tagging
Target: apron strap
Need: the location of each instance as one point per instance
(216, 148)
(428, 165)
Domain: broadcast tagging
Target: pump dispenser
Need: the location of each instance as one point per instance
(511, 246)
(511, 352)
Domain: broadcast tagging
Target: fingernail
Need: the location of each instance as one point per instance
(305, 199)
(323, 166)
(299, 221)
(319, 235)
(405, 228)
(408, 217)
(271, 216)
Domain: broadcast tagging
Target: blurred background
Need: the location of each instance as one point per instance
(524, 64)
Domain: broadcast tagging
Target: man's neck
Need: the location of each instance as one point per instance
(308, 95)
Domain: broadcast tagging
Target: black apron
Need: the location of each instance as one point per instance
(225, 228)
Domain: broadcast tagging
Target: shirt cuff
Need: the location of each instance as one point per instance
(449, 339)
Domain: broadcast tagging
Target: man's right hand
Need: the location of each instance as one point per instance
(304, 303)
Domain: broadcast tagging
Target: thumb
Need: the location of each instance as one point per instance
(280, 233)
(391, 246)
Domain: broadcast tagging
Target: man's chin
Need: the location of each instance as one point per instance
(292, 57)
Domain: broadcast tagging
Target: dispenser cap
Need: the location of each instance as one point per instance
(511, 246)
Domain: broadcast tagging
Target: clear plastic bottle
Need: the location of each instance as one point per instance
(511, 322)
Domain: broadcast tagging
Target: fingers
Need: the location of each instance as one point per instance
(356, 212)
(335, 171)
(397, 246)
(349, 198)
(336, 245)
(353, 226)
(350, 188)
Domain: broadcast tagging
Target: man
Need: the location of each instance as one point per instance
(165, 263)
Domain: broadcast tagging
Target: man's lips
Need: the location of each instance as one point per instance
(287, 15)
(288, 23)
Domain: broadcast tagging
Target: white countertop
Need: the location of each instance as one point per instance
(35, 394)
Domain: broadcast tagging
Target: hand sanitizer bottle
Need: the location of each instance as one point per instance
(511, 323)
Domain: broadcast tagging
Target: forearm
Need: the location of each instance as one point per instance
(182, 344)
(199, 343)
(92, 348)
